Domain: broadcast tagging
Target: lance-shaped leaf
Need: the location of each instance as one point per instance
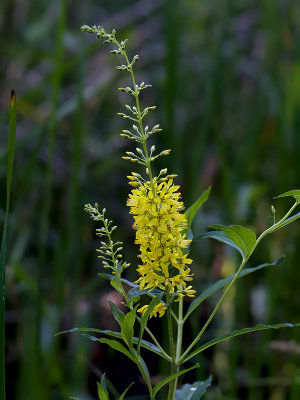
(114, 344)
(125, 391)
(290, 193)
(135, 293)
(144, 318)
(243, 238)
(223, 282)
(144, 343)
(193, 391)
(109, 277)
(127, 327)
(119, 316)
(159, 385)
(102, 389)
(192, 210)
(259, 327)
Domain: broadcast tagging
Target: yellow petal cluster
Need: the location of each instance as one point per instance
(159, 310)
(159, 223)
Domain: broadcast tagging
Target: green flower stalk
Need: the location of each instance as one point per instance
(159, 220)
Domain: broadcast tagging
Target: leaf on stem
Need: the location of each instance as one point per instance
(239, 332)
(193, 391)
(114, 344)
(159, 385)
(144, 318)
(293, 193)
(102, 389)
(125, 391)
(144, 343)
(244, 239)
(109, 277)
(192, 210)
(127, 327)
(118, 315)
(223, 282)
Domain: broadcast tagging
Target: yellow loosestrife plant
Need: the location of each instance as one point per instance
(164, 265)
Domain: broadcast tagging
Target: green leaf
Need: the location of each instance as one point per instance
(125, 391)
(293, 193)
(144, 343)
(103, 384)
(117, 346)
(221, 237)
(136, 292)
(160, 384)
(118, 314)
(259, 327)
(115, 284)
(102, 390)
(223, 282)
(10, 162)
(192, 210)
(193, 391)
(127, 327)
(244, 238)
(109, 277)
(144, 318)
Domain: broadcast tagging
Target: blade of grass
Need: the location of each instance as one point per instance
(10, 161)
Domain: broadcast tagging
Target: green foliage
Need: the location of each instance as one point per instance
(239, 332)
(193, 391)
(223, 282)
(193, 209)
(237, 236)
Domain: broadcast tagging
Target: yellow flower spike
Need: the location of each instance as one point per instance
(159, 225)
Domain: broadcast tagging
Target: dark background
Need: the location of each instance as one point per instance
(226, 81)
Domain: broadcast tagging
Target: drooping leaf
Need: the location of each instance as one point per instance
(117, 313)
(290, 193)
(193, 391)
(160, 384)
(125, 391)
(114, 344)
(259, 327)
(192, 210)
(144, 343)
(223, 282)
(244, 238)
(221, 237)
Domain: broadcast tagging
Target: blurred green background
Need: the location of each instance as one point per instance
(226, 80)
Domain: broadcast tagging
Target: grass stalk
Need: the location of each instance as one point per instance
(3, 251)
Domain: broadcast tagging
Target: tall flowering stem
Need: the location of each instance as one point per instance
(155, 204)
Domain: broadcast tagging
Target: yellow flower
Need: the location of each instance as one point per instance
(160, 309)
(159, 225)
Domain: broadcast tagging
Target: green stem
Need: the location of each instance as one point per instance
(146, 378)
(214, 311)
(244, 261)
(174, 366)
